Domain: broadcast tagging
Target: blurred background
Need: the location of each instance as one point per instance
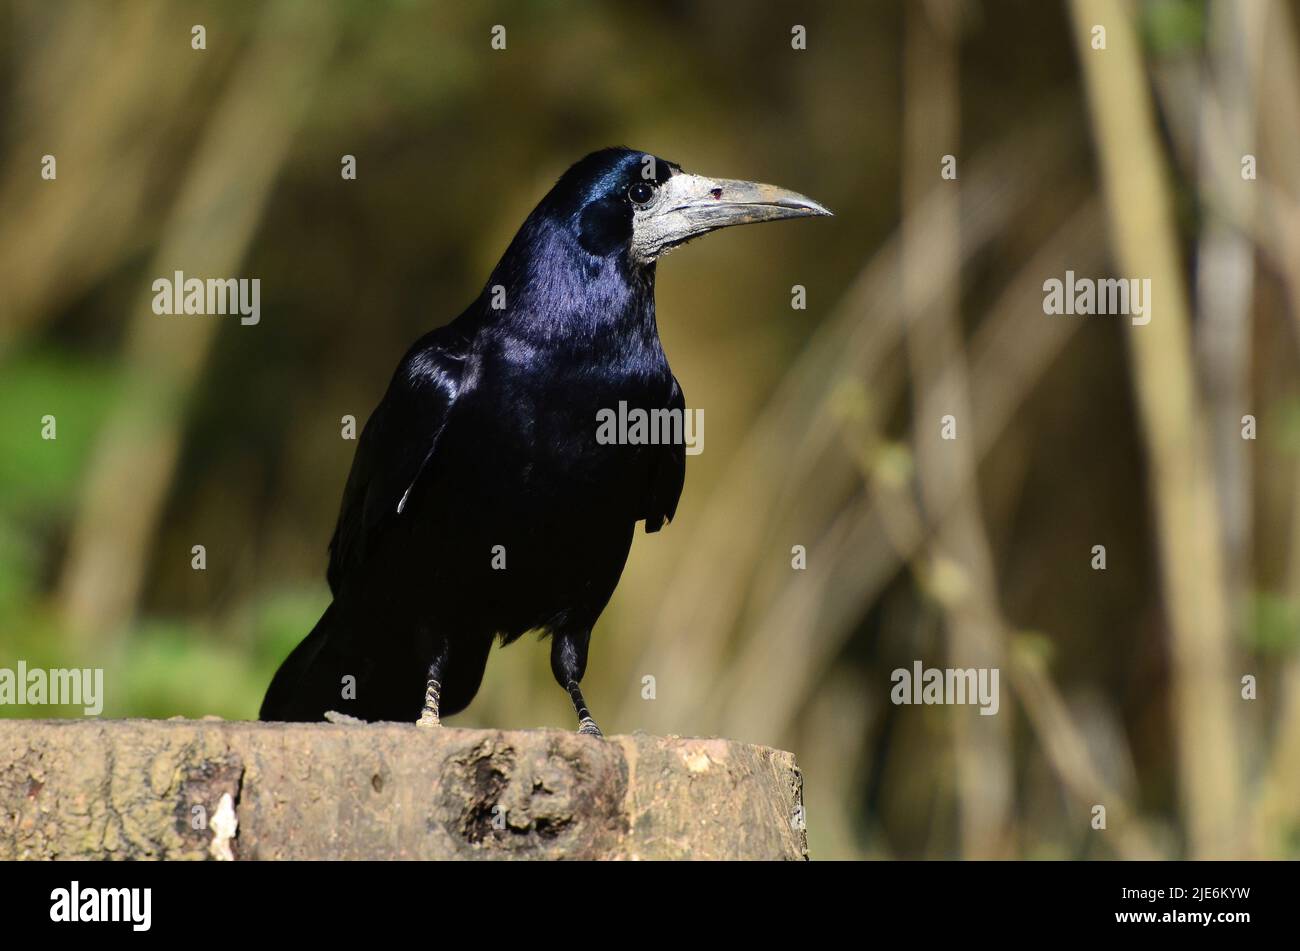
(1120, 687)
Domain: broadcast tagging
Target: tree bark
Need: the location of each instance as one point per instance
(143, 789)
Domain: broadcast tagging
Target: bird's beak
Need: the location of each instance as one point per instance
(687, 206)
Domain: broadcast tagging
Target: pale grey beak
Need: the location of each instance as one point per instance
(687, 206)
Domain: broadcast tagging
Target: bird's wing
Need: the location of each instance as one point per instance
(396, 446)
(668, 473)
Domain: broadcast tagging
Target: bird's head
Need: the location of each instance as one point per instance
(620, 201)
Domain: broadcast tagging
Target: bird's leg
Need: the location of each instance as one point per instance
(585, 723)
(433, 688)
(432, 696)
(568, 663)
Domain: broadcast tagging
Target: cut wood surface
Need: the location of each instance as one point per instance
(211, 789)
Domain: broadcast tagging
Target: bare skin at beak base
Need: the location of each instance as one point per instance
(687, 206)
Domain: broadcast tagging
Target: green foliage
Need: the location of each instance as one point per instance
(1272, 623)
(1171, 27)
(43, 474)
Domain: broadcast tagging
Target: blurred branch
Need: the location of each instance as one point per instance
(1182, 477)
(1066, 747)
(1225, 269)
(862, 550)
(947, 468)
(1276, 808)
(763, 502)
(88, 90)
(207, 234)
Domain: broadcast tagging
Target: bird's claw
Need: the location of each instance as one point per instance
(428, 721)
(587, 727)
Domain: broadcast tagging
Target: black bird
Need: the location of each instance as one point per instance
(481, 503)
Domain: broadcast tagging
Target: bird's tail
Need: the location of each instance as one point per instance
(291, 694)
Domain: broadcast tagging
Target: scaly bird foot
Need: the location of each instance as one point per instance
(432, 699)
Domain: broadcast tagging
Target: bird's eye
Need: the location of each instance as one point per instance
(640, 193)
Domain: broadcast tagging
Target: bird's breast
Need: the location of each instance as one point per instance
(536, 513)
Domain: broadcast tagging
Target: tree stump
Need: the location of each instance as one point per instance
(205, 789)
